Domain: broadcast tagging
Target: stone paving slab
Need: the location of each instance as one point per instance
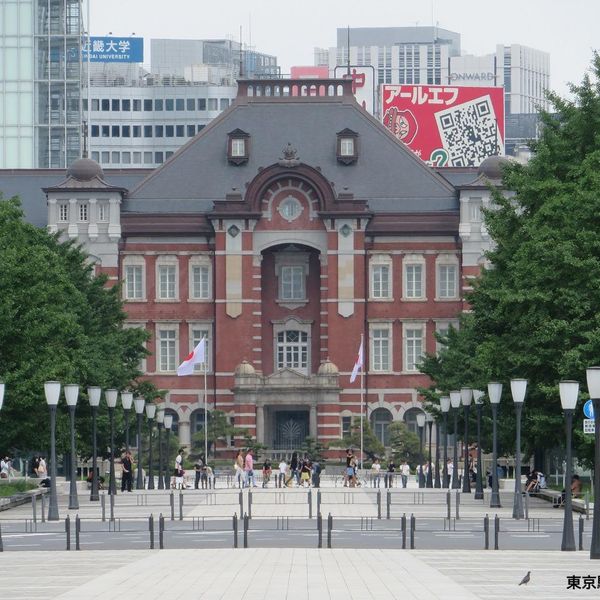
(291, 574)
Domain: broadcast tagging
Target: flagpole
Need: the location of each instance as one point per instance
(362, 401)
(205, 416)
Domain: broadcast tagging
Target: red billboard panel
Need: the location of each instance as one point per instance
(446, 126)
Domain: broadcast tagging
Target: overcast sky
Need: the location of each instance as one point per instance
(567, 29)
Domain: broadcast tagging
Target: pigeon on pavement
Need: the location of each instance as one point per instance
(526, 579)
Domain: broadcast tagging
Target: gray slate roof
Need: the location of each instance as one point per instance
(388, 175)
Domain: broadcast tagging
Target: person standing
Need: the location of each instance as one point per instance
(450, 470)
(294, 468)
(42, 470)
(198, 467)
(388, 479)
(376, 473)
(249, 469)
(126, 472)
(179, 472)
(266, 473)
(282, 472)
(238, 465)
(316, 474)
(404, 473)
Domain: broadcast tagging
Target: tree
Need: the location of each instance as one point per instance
(219, 428)
(534, 314)
(251, 443)
(314, 450)
(404, 443)
(57, 322)
(372, 447)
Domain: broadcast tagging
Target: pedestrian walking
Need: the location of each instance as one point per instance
(249, 469)
(404, 473)
(281, 475)
(388, 479)
(376, 473)
(238, 467)
(126, 472)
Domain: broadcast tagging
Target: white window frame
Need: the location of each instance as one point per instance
(347, 146)
(194, 338)
(381, 263)
(297, 261)
(378, 333)
(296, 281)
(238, 147)
(443, 261)
(63, 212)
(103, 211)
(173, 329)
(413, 260)
(197, 262)
(83, 212)
(169, 262)
(304, 327)
(134, 261)
(443, 327)
(409, 358)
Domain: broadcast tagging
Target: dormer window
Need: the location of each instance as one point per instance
(347, 146)
(237, 147)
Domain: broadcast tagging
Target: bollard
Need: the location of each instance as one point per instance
(320, 530)
(241, 502)
(581, 532)
(310, 504)
(329, 529)
(250, 503)
(161, 532)
(181, 506)
(103, 506)
(486, 532)
(496, 531)
(458, 504)
(172, 503)
(235, 530)
(1, 543)
(379, 504)
(112, 507)
(413, 525)
(527, 505)
(151, 529)
(77, 532)
(388, 508)
(43, 496)
(403, 531)
(34, 508)
(318, 501)
(449, 504)
(245, 530)
(587, 506)
(68, 531)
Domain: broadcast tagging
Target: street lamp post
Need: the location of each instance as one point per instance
(139, 410)
(518, 387)
(478, 397)
(494, 394)
(168, 423)
(94, 394)
(150, 412)
(445, 406)
(421, 425)
(569, 392)
(71, 394)
(455, 403)
(52, 392)
(466, 395)
(160, 419)
(437, 483)
(593, 382)
(111, 401)
(126, 401)
(429, 480)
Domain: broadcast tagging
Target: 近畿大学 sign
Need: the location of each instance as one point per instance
(113, 49)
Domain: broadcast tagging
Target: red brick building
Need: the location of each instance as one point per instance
(290, 226)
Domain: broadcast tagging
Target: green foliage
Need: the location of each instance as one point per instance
(57, 322)
(15, 487)
(373, 448)
(535, 312)
(219, 428)
(314, 450)
(250, 443)
(404, 443)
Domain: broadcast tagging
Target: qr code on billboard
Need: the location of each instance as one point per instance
(469, 132)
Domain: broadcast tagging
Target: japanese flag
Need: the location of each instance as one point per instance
(358, 364)
(196, 356)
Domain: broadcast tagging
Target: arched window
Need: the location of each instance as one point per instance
(410, 418)
(380, 421)
(175, 425)
(197, 421)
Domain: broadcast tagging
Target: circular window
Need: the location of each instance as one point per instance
(290, 208)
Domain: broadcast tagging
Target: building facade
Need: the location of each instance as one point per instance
(290, 227)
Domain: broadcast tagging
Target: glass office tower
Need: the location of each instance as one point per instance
(40, 83)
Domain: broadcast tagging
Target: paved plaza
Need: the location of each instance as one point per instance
(366, 558)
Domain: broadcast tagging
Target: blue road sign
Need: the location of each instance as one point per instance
(588, 409)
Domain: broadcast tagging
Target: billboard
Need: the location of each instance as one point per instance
(446, 125)
(309, 72)
(363, 86)
(113, 49)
